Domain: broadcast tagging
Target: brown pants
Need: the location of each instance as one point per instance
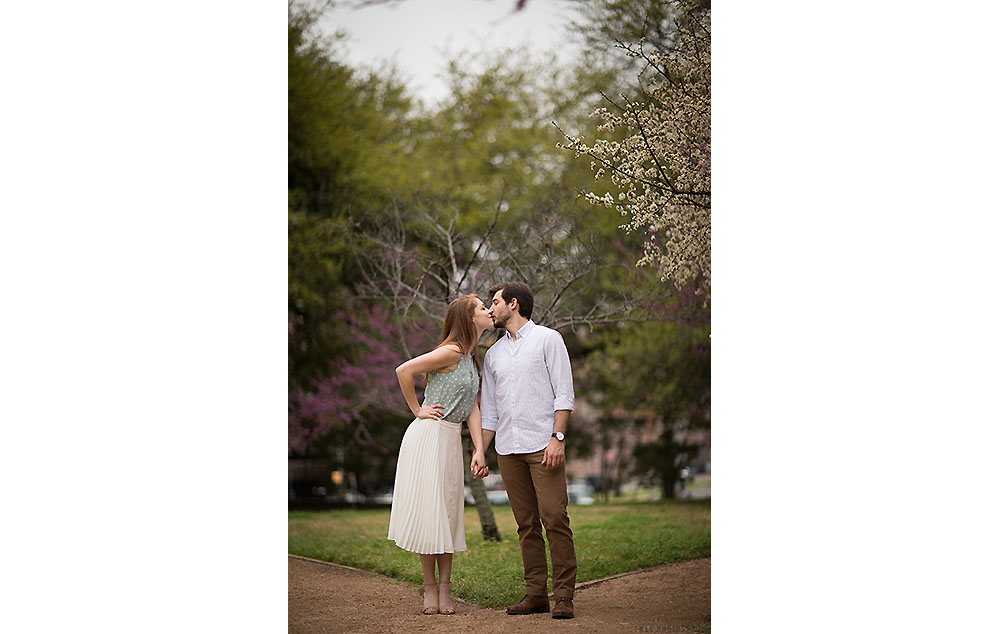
(538, 498)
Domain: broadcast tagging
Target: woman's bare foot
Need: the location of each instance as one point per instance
(444, 598)
(430, 598)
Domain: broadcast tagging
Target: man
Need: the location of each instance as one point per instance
(527, 395)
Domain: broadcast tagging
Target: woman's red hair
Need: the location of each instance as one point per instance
(459, 327)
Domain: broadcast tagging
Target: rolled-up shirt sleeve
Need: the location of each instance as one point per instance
(487, 396)
(560, 372)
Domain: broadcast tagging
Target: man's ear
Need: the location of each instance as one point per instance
(515, 306)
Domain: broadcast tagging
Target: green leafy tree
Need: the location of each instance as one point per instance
(659, 371)
(342, 131)
(497, 200)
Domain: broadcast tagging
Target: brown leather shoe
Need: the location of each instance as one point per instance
(529, 605)
(563, 609)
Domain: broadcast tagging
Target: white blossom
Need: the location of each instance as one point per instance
(663, 167)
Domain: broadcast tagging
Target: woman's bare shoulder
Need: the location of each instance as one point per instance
(450, 354)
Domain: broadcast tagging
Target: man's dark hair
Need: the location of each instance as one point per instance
(518, 291)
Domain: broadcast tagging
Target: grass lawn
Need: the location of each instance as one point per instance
(610, 538)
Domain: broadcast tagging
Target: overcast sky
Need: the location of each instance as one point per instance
(416, 34)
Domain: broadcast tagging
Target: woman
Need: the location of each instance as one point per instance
(428, 498)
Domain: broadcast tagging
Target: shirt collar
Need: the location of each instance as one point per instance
(523, 331)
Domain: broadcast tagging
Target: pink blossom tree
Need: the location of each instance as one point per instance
(361, 383)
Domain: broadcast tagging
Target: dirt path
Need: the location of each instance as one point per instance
(326, 598)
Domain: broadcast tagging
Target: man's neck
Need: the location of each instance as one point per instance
(515, 323)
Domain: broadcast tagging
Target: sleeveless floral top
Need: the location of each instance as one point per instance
(455, 390)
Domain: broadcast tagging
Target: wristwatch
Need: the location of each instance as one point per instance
(559, 436)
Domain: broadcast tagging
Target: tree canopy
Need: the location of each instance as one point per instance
(395, 209)
(662, 166)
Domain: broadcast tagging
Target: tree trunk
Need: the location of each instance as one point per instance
(675, 454)
(620, 463)
(668, 473)
(605, 467)
(486, 519)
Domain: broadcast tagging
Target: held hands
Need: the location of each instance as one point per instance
(555, 455)
(435, 411)
(478, 466)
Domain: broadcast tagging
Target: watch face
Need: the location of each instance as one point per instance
(559, 436)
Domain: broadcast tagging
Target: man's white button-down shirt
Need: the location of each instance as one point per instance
(524, 383)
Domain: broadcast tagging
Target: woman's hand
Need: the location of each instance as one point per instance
(435, 411)
(478, 466)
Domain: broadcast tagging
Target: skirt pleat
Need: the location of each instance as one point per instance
(428, 498)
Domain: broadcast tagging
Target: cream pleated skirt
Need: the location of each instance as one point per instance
(428, 499)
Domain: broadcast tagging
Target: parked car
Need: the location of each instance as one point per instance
(348, 497)
(580, 493)
(497, 497)
(493, 482)
(382, 497)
